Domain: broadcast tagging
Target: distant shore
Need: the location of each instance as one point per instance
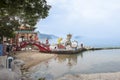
(104, 48)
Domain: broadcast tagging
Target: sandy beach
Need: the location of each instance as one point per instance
(32, 58)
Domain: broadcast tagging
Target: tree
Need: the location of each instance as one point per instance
(13, 13)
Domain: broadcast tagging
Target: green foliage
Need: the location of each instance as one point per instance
(13, 13)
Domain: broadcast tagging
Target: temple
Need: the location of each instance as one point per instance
(25, 34)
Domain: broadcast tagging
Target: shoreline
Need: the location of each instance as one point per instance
(32, 58)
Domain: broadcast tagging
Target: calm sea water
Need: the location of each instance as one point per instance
(99, 61)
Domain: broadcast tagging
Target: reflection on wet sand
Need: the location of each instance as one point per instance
(71, 59)
(56, 67)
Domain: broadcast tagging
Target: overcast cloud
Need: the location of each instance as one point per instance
(92, 18)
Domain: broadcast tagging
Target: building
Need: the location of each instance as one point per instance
(25, 34)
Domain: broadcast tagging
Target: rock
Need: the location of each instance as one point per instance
(14, 74)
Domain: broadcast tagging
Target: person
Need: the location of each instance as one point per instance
(36, 37)
(4, 48)
(47, 41)
(81, 45)
(31, 38)
(8, 49)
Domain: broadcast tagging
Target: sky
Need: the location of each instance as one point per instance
(90, 18)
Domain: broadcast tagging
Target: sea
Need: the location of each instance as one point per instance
(90, 42)
(88, 62)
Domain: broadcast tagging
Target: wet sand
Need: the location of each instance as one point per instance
(97, 76)
(32, 58)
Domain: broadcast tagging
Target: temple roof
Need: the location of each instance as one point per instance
(23, 27)
(25, 31)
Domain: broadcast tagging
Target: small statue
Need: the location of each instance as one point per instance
(47, 41)
(68, 40)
